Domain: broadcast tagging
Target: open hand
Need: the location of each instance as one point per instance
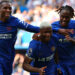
(42, 70)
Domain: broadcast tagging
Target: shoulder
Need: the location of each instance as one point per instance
(34, 43)
(72, 24)
(33, 46)
(12, 18)
(55, 23)
(55, 37)
(72, 21)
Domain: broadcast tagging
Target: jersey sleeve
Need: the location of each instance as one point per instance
(55, 27)
(27, 27)
(32, 50)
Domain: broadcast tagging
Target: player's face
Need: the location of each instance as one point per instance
(5, 10)
(45, 34)
(65, 17)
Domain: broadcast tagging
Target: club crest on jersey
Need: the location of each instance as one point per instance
(53, 48)
(60, 40)
(9, 28)
(30, 50)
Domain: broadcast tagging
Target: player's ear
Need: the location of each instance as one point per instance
(36, 36)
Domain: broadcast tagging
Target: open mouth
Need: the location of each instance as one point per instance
(7, 14)
(64, 22)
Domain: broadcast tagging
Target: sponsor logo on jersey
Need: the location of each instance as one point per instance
(5, 36)
(53, 48)
(63, 40)
(60, 40)
(46, 59)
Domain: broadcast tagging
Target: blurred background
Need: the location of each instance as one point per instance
(32, 12)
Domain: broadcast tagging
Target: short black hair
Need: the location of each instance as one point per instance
(67, 7)
(4, 1)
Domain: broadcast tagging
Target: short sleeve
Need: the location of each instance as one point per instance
(32, 50)
(55, 26)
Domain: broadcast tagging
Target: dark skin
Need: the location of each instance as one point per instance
(64, 20)
(5, 11)
(65, 17)
(46, 33)
(28, 67)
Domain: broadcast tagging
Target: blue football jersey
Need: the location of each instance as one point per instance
(66, 49)
(42, 54)
(8, 31)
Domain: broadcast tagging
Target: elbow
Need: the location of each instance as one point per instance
(24, 66)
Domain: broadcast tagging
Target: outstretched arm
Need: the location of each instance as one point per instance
(28, 67)
(56, 28)
(28, 27)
